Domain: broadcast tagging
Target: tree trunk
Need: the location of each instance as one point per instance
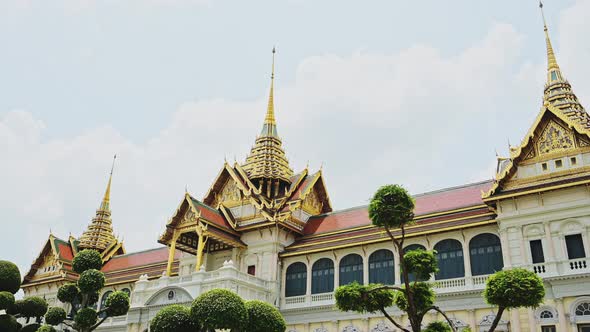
(497, 319)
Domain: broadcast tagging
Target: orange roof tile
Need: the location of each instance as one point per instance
(138, 259)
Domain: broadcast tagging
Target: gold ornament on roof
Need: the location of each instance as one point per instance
(555, 138)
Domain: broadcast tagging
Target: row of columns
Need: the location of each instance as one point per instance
(201, 230)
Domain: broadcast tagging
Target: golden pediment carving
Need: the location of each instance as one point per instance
(230, 192)
(312, 202)
(555, 138)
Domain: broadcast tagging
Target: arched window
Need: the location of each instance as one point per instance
(449, 254)
(103, 302)
(411, 247)
(322, 276)
(546, 314)
(485, 253)
(583, 309)
(351, 269)
(381, 267)
(296, 280)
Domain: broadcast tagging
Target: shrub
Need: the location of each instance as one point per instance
(9, 277)
(438, 327)
(30, 328)
(85, 260)
(359, 298)
(514, 288)
(33, 307)
(85, 318)
(219, 309)
(263, 317)
(391, 207)
(117, 304)
(46, 328)
(55, 316)
(175, 318)
(6, 300)
(423, 298)
(15, 309)
(421, 262)
(68, 293)
(8, 323)
(91, 281)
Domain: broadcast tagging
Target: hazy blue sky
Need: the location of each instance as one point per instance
(413, 92)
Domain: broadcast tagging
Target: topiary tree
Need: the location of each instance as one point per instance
(393, 209)
(438, 327)
(84, 295)
(219, 309)
(263, 317)
(175, 318)
(32, 307)
(512, 289)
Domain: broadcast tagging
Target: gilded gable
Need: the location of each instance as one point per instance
(230, 194)
(312, 202)
(48, 266)
(555, 139)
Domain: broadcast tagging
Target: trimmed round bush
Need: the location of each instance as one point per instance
(421, 262)
(438, 326)
(361, 298)
(219, 309)
(55, 316)
(9, 277)
(263, 317)
(391, 207)
(34, 307)
(91, 281)
(93, 298)
(423, 297)
(47, 328)
(514, 288)
(30, 328)
(85, 260)
(6, 300)
(175, 318)
(68, 293)
(8, 323)
(85, 318)
(17, 308)
(117, 304)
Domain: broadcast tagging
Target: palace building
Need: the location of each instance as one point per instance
(269, 232)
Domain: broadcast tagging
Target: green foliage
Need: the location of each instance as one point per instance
(30, 328)
(55, 316)
(91, 281)
(68, 293)
(423, 298)
(85, 260)
(46, 328)
(421, 262)
(175, 318)
(17, 308)
(360, 298)
(263, 317)
(85, 318)
(514, 288)
(9, 277)
(391, 207)
(8, 323)
(6, 300)
(33, 307)
(117, 304)
(438, 327)
(219, 309)
(467, 329)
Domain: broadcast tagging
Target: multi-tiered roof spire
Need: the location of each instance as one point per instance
(558, 91)
(99, 234)
(267, 163)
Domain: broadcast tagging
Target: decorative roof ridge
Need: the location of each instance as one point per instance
(437, 191)
(138, 252)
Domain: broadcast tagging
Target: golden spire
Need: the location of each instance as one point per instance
(553, 71)
(99, 234)
(267, 158)
(270, 123)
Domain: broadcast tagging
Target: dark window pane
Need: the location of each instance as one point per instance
(537, 252)
(296, 280)
(575, 246)
(548, 328)
(485, 254)
(450, 260)
(353, 269)
(323, 276)
(381, 267)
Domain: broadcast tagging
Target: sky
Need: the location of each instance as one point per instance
(420, 93)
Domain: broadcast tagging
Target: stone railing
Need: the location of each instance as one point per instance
(561, 268)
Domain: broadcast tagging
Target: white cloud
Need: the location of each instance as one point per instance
(416, 117)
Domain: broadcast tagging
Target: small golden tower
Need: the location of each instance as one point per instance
(99, 234)
(267, 166)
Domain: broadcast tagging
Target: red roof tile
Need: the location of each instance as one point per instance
(427, 203)
(65, 251)
(138, 259)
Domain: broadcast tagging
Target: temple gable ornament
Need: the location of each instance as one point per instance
(555, 138)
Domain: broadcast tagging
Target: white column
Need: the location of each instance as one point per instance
(505, 248)
(308, 283)
(336, 273)
(514, 320)
(561, 315)
(532, 321)
(472, 319)
(467, 264)
(549, 240)
(523, 255)
(365, 269)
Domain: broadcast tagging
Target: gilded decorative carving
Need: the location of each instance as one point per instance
(555, 138)
(312, 202)
(230, 192)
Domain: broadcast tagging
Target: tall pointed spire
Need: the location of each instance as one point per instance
(558, 91)
(99, 234)
(267, 160)
(270, 124)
